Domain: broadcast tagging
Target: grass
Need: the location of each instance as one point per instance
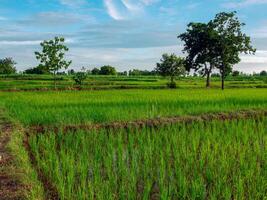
(19, 168)
(87, 107)
(215, 160)
(42, 82)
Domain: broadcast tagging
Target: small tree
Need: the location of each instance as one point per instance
(107, 70)
(263, 73)
(7, 66)
(79, 78)
(171, 66)
(95, 71)
(235, 73)
(52, 56)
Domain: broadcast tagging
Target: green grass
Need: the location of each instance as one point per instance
(216, 160)
(87, 107)
(39, 82)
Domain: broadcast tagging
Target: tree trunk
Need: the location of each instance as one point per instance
(208, 80)
(55, 87)
(172, 79)
(223, 76)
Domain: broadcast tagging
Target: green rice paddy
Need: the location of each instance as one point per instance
(87, 107)
(216, 160)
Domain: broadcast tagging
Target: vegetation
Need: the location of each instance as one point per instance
(79, 78)
(7, 66)
(37, 70)
(217, 160)
(52, 56)
(171, 66)
(70, 107)
(216, 44)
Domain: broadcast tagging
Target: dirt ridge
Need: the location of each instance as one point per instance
(10, 186)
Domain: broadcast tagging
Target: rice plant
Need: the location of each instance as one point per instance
(213, 160)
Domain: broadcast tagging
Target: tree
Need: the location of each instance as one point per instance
(7, 66)
(230, 42)
(235, 73)
(171, 66)
(37, 70)
(200, 40)
(52, 56)
(79, 78)
(107, 70)
(263, 73)
(95, 71)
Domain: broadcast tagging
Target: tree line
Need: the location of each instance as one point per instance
(209, 47)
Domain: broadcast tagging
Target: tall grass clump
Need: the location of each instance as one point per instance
(213, 160)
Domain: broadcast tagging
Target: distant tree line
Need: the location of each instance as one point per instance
(212, 49)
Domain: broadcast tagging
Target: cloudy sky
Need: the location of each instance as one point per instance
(124, 33)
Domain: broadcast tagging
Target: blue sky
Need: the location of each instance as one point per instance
(124, 33)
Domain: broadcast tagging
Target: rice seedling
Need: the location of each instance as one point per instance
(87, 107)
(214, 160)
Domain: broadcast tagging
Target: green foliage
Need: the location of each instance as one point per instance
(37, 70)
(79, 78)
(217, 44)
(107, 70)
(263, 73)
(137, 72)
(235, 73)
(231, 42)
(172, 66)
(213, 160)
(7, 66)
(86, 107)
(95, 71)
(52, 55)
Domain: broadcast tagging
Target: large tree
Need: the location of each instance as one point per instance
(52, 56)
(230, 42)
(107, 70)
(171, 66)
(7, 66)
(200, 40)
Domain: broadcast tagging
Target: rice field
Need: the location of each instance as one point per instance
(21, 82)
(88, 107)
(215, 160)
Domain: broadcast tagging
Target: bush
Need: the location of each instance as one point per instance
(172, 85)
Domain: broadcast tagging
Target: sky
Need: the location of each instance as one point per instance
(126, 34)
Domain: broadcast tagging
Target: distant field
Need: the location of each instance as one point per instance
(87, 107)
(216, 160)
(45, 82)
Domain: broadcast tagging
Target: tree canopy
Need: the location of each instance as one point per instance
(216, 44)
(171, 66)
(52, 55)
(7, 66)
(107, 70)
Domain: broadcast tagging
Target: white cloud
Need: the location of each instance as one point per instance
(149, 2)
(15, 43)
(26, 42)
(131, 5)
(113, 10)
(244, 3)
(259, 58)
(125, 9)
(73, 3)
